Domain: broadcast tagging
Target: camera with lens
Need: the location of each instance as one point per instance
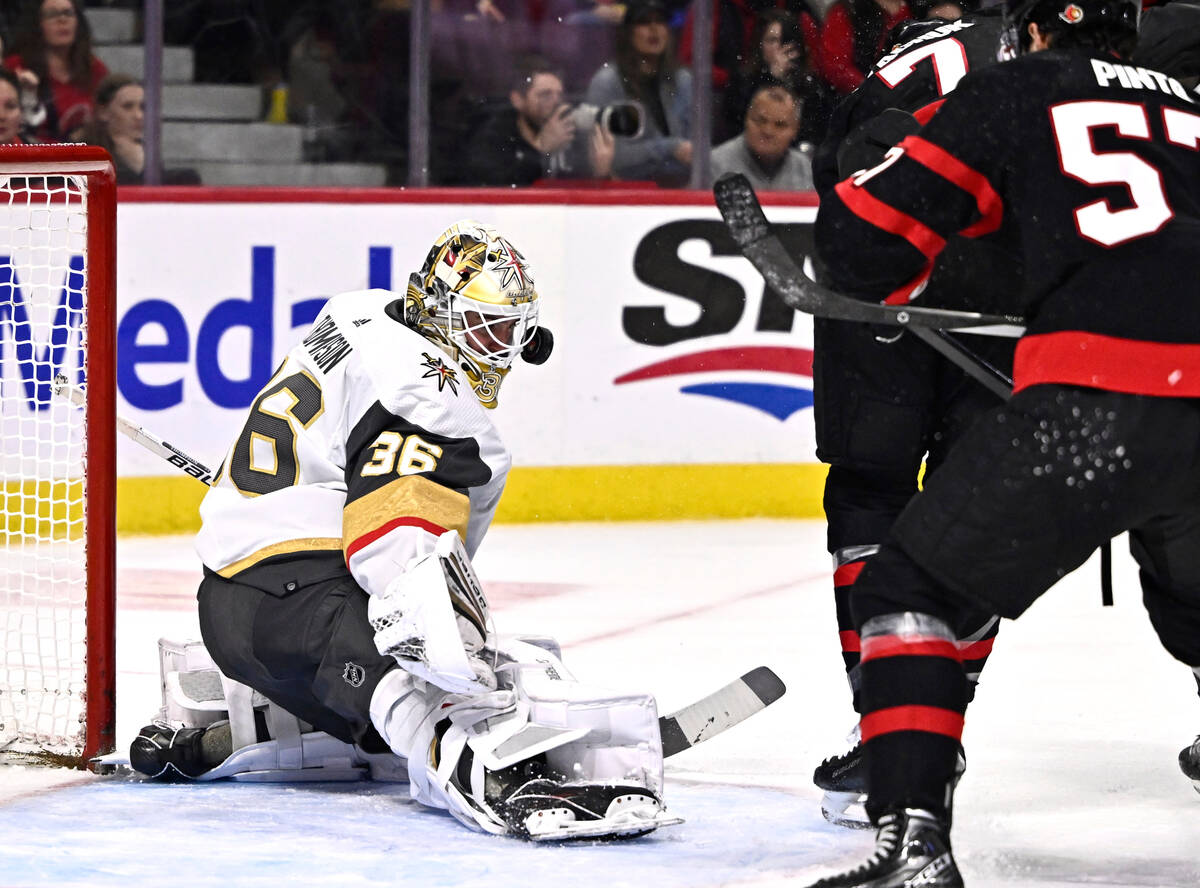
(625, 120)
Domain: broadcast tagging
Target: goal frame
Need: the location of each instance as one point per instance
(96, 165)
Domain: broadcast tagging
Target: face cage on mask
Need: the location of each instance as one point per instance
(487, 340)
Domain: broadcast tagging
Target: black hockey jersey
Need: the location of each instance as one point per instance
(1090, 168)
(911, 76)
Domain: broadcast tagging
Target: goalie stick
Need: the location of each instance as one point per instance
(720, 710)
(172, 454)
(682, 729)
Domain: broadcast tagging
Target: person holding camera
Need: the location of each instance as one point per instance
(538, 137)
(645, 71)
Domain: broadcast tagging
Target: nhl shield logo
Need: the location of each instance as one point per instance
(354, 675)
(1071, 14)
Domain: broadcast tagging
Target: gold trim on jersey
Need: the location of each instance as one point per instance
(413, 496)
(287, 547)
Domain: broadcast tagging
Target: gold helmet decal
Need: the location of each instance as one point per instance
(475, 297)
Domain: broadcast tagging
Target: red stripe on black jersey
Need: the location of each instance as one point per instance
(408, 521)
(887, 218)
(850, 641)
(879, 646)
(1073, 357)
(949, 167)
(928, 719)
(905, 292)
(925, 113)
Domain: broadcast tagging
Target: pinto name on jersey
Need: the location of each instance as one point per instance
(1131, 77)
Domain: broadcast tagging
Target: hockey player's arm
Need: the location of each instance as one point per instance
(880, 230)
(407, 510)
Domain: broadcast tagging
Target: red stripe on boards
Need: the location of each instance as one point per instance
(409, 521)
(929, 719)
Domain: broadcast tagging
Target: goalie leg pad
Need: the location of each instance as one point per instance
(211, 727)
(543, 757)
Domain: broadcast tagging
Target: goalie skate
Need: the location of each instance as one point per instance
(548, 811)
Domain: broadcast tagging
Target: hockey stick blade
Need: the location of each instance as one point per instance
(720, 710)
(752, 233)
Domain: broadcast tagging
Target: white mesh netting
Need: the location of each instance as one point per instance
(43, 313)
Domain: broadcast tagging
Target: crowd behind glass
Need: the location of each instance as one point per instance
(520, 92)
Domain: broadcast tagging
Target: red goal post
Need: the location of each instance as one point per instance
(57, 460)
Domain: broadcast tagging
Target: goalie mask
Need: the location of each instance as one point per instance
(475, 297)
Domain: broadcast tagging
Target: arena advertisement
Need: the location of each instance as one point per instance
(671, 357)
(668, 350)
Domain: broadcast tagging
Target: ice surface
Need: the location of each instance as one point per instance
(1071, 743)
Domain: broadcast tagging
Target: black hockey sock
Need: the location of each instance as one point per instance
(914, 696)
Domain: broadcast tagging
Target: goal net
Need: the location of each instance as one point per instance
(57, 469)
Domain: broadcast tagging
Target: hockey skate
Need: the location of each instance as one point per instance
(912, 848)
(843, 778)
(1189, 763)
(162, 751)
(548, 808)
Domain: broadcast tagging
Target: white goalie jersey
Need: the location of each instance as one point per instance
(364, 447)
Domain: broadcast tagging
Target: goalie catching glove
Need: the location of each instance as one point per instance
(434, 620)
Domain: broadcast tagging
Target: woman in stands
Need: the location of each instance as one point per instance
(118, 126)
(12, 121)
(645, 70)
(55, 43)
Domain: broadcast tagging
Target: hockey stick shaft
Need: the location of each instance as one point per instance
(752, 233)
(156, 445)
(720, 710)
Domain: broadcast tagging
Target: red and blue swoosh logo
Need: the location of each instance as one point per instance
(779, 401)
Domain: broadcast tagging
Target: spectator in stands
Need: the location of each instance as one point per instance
(118, 126)
(854, 35)
(763, 153)
(11, 120)
(645, 70)
(736, 35)
(534, 138)
(780, 55)
(55, 43)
